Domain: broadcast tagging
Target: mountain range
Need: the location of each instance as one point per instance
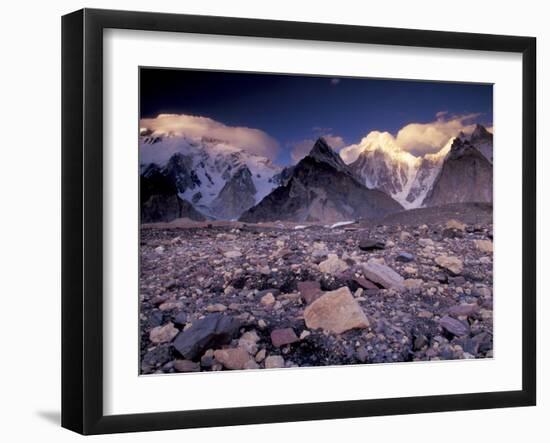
(211, 179)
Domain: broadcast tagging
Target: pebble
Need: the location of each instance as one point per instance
(163, 334)
(186, 366)
(274, 361)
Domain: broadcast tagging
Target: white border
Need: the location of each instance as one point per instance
(126, 392)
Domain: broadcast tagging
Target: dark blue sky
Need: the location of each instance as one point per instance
(289, 107)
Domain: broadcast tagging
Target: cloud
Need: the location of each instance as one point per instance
(251, 140)
(301, 149)
(374, 140)
(334, 81)
(427, 138)
(415, 139)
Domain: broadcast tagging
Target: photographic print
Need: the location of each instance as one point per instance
(291, 221)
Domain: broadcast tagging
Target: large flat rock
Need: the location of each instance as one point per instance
(335, 311)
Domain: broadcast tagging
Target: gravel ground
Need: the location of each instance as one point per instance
(232, 296)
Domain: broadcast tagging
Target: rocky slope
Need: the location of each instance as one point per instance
(236, 196)
(244, 296)
(159, 200)
(483, 141)
(321, 188)
(466, 176)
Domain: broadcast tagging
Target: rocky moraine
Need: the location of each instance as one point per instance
(232, 295)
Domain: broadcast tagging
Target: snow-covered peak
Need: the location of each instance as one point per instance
(382, 164)
(440, 155)
(201, 166)
(378, 141)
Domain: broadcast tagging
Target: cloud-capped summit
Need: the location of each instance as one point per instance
(253, 141)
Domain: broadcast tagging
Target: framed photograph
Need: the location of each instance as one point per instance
(269, 221)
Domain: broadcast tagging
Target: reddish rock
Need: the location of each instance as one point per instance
(235, 358)
(464, 309)
(281, 337)
(310, 290)
(364, 283)
(186, 366)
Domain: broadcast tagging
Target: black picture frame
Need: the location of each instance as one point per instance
(82, 218)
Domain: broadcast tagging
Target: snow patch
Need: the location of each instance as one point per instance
(342, 223)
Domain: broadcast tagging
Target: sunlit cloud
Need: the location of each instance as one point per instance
(415, 138)
(427, 138)
(251, 140)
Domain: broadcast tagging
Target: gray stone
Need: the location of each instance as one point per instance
(383, 275)
(404, 257)
(211, 331)
(455, 327)
(464, 309)
(367, 244)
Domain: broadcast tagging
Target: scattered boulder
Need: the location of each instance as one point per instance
(455, 224)
(364, 283)
(413, 283)
(249, 342)
(367, 244)
(155, 357)
(484, 245)
(455, 327)
(218, 307)
(186, 366)
(333, 265)
(335, 311)
(425, 314)
(383, 275)
(404, 257)
(232, 254)
(453, 264)
(251, 364)
(180, 318)
(281, 337)
(171, 305)
(309, 290)
(268, 299)
(211, 331)
(233, 358)
(463, 310)
(362, 354)
(163, 334)
(425, 242)
(274, 361)
(260, 356)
